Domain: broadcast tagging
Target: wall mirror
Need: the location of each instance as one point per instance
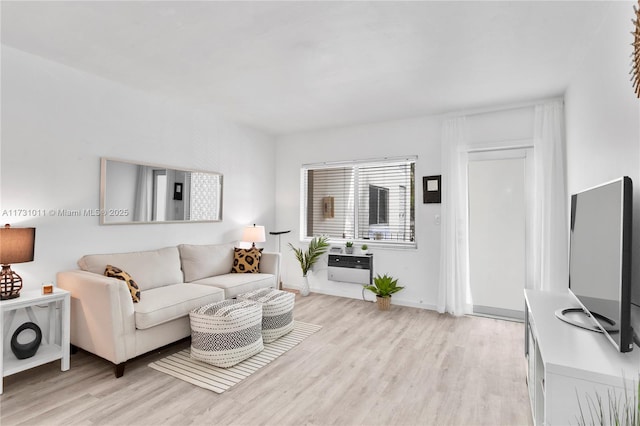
(133, 192)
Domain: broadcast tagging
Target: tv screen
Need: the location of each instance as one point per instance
(600, 258)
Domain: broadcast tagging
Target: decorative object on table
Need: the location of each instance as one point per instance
(277, 311)
(317, 247)
(383, 287)
(16, 246)
(254, 234)
(47, 288)
(227, 332)
(364, 248)
(56, 336)
(29, 349)
(348, 247)
(327, 208)
(181, 366)
(635, 61)
(431, 189)
(246, 261)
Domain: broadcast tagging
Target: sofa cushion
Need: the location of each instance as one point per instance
(202, 261)
(155, 268)
(163, 304)
(235, 284)
(115, 272)
(246, 261)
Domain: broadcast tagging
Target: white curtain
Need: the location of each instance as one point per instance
(454, 260)
(550, 223)
(547, 266)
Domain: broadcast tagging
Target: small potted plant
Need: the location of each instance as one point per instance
(348, 247)
(383, 287)
(317, 247)
(364, 248)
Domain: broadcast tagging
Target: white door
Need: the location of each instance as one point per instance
(498, 218)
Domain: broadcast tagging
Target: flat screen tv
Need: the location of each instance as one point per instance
(600, 258)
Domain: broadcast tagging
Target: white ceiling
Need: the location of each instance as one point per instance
(285, 67)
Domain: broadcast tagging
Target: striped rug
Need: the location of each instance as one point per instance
(181, 366)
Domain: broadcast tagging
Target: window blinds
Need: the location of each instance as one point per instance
(361, 200)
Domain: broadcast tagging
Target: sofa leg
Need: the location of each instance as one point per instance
(118, 369)
(73, 349)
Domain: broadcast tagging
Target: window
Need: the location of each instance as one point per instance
(378, 205)
(364, 200)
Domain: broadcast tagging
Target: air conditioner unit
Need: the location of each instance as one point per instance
(351, 268)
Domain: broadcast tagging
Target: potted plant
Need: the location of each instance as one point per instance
(364, 248)
(348, 247)
(621, 410)
(383, 287)
(317, 247)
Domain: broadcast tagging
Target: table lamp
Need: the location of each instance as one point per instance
(16, 246)
(254, 234)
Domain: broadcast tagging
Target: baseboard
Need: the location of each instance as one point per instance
(507, 314)
(371, 298)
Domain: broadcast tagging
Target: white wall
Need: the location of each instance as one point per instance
(417, 269)
(603, 116)
(56, 124)
(602, 143)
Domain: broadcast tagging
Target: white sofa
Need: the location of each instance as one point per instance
(172, 281)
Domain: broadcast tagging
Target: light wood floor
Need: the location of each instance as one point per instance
(404, 367)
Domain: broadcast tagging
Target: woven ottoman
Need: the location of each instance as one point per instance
(277, 311)
(225, 333)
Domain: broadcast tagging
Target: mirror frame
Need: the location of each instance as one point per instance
(103, 192)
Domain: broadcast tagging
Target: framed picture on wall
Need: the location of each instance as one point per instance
(177, 191)
(327, 207)
(431, 189)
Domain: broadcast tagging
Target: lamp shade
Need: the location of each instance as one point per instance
(16, 245)
(254, 234)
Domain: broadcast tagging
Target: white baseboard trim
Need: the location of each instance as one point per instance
(491, 312)
(371, 298)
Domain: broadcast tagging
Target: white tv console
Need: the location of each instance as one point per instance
(566, 362)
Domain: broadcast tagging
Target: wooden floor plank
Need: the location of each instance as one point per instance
(407, 366)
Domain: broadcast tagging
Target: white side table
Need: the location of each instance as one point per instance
(55, 335)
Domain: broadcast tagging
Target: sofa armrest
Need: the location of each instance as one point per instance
(102, 314)
(270, 264)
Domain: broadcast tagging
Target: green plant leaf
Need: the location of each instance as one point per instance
(384, 286)
(317, 247)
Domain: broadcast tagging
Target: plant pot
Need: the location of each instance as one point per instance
(304, 290)
(384, 303)
(348, 250)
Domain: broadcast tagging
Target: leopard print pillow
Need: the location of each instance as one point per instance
(246, 261)
(113, 272)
